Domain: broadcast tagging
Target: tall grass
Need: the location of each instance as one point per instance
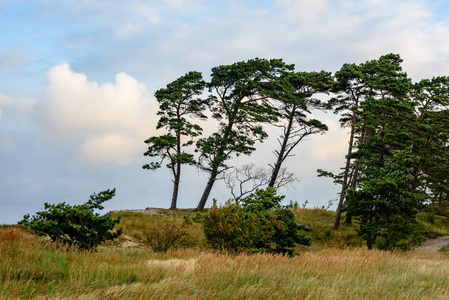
(31, 269)
(323, 235)
(139, 226)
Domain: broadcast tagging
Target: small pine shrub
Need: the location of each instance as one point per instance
(76, 225)
(261, 223)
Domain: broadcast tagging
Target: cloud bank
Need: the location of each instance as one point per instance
(110, 120)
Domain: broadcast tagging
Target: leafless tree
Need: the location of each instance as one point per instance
(247, 179)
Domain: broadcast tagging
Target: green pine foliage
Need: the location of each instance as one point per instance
(76, 225)
(240, 101)
(393, 150)
(178, 103)
(386, 206)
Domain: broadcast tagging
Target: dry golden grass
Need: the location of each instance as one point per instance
(336, 266)
(139, 225)
(32, 270)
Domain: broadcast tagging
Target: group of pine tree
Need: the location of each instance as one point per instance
(397, 156)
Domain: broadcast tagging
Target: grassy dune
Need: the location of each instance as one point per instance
(30, 269)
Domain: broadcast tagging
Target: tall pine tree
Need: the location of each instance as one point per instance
(178, 102)
(240, 102)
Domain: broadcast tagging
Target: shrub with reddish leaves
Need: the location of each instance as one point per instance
(261, 223)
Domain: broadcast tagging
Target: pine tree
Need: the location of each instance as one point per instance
(240, 102)
(177, 103)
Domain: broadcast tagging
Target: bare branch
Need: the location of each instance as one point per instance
(247, 179)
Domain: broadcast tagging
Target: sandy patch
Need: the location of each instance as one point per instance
(434, 244)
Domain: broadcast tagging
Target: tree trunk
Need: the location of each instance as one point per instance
(346, 175)
(281, 153)
(210, 184)
(342, 195)
(174, 198)
(177, 172)
(216, 164)
(275, 173)
(348, 219)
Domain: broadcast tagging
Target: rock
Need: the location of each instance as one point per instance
(307, 227)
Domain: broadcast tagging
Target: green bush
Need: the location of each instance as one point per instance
(397, 236)
(261, 223)
(75, 225)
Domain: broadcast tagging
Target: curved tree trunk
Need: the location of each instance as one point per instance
(348, 219)
(345, 176)
(214, 173)
(281, 154)
(176, 181)
(210, 184)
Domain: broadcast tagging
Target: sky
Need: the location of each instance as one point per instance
(78, 77)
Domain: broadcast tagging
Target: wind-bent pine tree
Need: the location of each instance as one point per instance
(240, 103)
(177, 102)
(400, 158)
(351, 89)
(383, 201)
(354, 84)
(295, 102)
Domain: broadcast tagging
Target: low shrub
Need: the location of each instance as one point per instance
(260, 223)
(168, 236)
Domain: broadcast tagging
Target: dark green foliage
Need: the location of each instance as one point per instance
(381, 79)
(240, 102)
(397, 155)
(76, 225)
(385, 205)
(261, 223)
(177, 103)
(430, 98)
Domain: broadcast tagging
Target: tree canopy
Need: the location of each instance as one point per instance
(397, 158)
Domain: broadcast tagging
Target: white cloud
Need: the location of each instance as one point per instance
(17, 105)
(313, 34)
(111, 120)
(106, 148)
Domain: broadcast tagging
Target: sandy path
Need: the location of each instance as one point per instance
(434, 244)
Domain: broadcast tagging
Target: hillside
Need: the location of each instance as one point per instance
(138, 225)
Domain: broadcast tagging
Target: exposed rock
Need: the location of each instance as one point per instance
(307, 227)
(131, 244)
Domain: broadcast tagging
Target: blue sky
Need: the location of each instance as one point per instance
(77, 80)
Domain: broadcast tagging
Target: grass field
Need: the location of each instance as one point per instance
(336, 266)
